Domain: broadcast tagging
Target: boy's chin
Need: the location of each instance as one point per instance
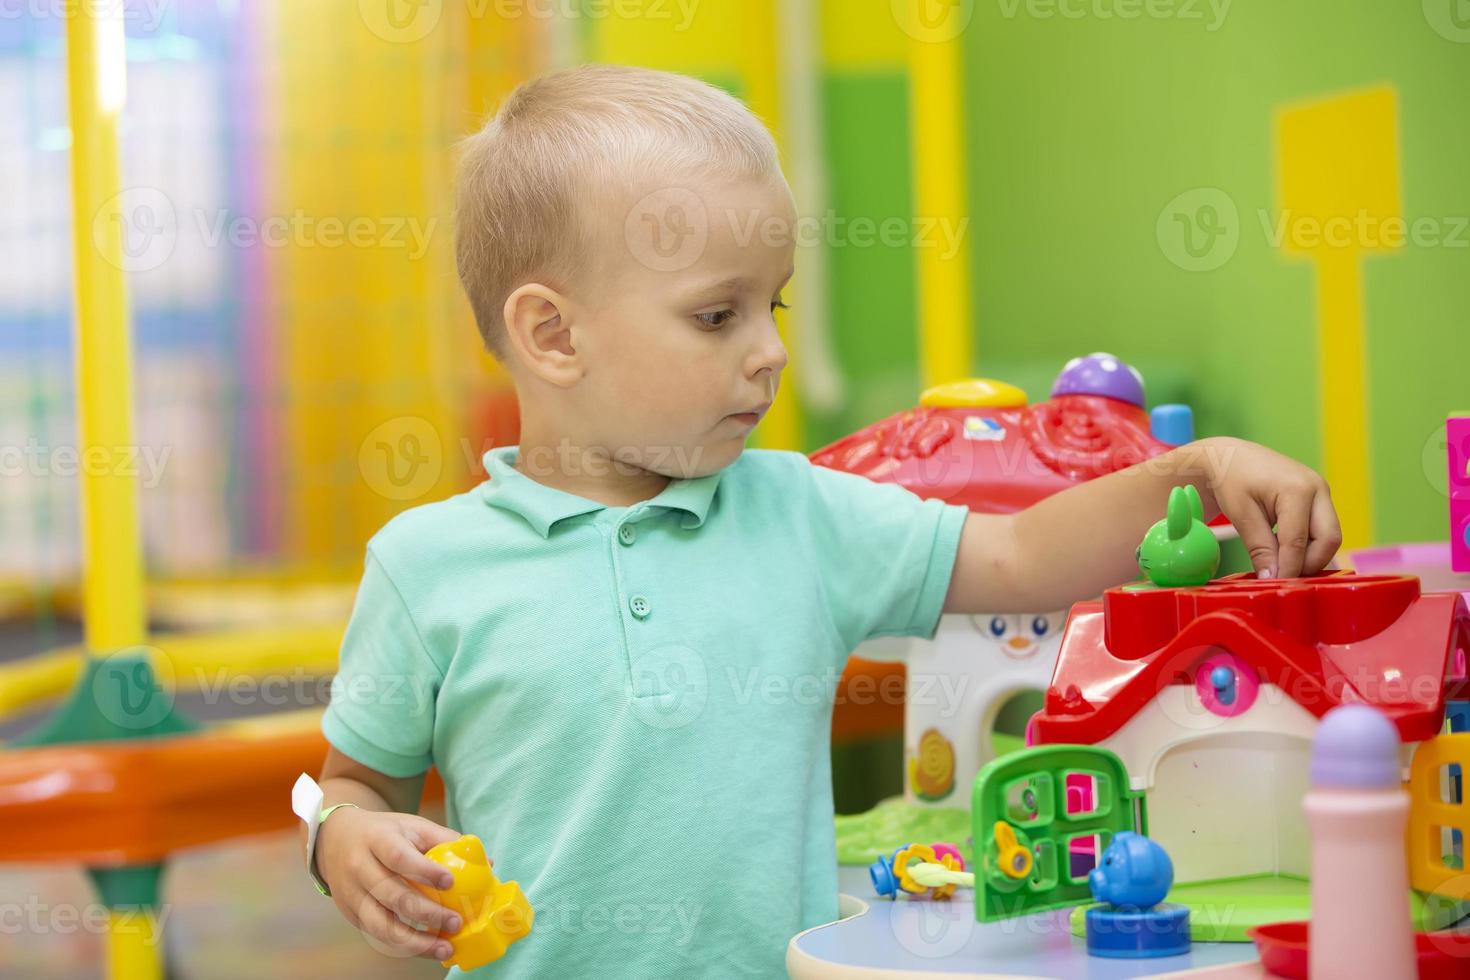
(694, 462)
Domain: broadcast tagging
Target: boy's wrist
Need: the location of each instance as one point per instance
(313, 868)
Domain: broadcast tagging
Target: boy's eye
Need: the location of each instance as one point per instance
(779, 304)
(715, 320)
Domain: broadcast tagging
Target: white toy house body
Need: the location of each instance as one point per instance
(959, 686)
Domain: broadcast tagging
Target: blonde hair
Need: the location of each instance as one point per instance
(528, 181)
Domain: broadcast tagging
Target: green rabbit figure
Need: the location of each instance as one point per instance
(1180, 551)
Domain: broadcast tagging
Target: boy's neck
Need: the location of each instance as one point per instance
(589, 474)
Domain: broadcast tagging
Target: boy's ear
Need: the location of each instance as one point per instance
(1196, 506)
(1179, 517)
(539, 332)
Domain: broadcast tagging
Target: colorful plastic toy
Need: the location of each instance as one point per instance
(1134, 871)
(1021, 803)
(880, 873)
(495, 913)
(1172, 424)
(1177, 702)
(1357, 811)
(1134, 934)
(1012, 859)
(1283, 947)
(1180, 550)
(1131, 881)
(978, 443)
(1457, 437)
(899, 873)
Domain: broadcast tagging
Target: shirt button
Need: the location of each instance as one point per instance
(640, 607)
(627, 534)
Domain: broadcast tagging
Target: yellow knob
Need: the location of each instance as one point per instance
(974, 393)
(1015, 860)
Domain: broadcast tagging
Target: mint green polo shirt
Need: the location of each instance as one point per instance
(632, 706)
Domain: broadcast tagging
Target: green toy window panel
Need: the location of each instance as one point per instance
(1029, 800)
(1046, 866)
(1034, 812)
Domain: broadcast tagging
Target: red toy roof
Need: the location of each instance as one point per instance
(1324, 641)
(998, 460)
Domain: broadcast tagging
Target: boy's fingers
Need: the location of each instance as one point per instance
(401, 857)
(1293, 533)
(1255, 535)
(429, 834)
(1326, 533)
(379, 922)
(416, 907)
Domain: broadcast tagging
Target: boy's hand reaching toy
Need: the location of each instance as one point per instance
(1258, 490)
(365, 856)
(1075, 544)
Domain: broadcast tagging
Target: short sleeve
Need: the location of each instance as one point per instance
(886, 555)
(381, 711)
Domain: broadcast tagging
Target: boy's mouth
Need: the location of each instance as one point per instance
(751, 417)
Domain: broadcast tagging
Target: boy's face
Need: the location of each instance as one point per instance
(680, 344)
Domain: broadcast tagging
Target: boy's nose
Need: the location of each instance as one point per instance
(770, 355)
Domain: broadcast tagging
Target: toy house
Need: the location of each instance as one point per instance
(1189, 714)
(970, 690)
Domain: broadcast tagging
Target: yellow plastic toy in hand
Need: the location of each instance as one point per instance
(495, 913)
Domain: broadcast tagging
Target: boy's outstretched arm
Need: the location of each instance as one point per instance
(1081, 541)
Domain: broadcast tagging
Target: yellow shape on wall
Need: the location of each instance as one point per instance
(1338, 198)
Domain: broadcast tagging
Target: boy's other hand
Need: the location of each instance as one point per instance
(365, 856)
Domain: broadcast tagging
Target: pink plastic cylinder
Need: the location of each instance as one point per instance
(1361, 925)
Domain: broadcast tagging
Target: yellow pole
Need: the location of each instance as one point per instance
(133, 953)
(937, 147)
(760, 70)
(112, 588)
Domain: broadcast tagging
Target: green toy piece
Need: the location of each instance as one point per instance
(1180, 551)
(1025, 820)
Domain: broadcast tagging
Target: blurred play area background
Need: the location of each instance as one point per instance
(1262, 206)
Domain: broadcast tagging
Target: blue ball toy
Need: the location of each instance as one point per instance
(1134, 872)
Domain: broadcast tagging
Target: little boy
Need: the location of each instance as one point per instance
(618, 649)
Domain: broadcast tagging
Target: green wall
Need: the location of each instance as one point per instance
(1083, 130)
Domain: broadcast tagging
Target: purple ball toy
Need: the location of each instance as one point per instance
(1100, 374)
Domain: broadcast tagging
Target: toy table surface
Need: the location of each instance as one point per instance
(903, 938)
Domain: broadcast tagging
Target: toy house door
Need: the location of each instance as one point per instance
(1058, 804)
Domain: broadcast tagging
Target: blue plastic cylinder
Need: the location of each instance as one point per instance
(1172, 424)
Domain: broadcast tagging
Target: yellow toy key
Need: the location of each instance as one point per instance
(1015, 860)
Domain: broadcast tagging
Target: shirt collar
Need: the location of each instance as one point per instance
(542, 506)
